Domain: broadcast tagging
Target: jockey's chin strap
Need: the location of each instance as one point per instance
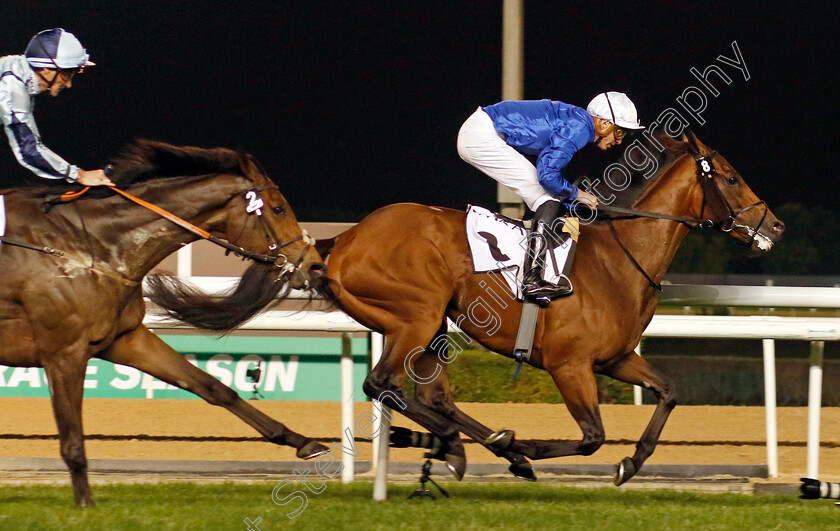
(279, 260)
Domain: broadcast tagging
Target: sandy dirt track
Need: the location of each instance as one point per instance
(192, 429)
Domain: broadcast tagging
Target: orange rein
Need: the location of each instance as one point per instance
(239, 251)
(69, 196)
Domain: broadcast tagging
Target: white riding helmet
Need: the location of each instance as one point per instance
(615, 107)
(56, 48)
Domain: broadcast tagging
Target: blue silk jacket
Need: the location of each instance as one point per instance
(552, 130)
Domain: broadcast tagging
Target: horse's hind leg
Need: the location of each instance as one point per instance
(145, 351)
(384, 383)
(434, 392)
(66, 391)
(633, 369)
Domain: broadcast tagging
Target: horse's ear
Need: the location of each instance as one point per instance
(245, 162)
(694, 144)
(672, 145)
(250, 161)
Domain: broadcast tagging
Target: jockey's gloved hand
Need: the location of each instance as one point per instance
(93, 178)
(587, 198)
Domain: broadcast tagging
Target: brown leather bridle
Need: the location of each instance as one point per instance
(706, 176)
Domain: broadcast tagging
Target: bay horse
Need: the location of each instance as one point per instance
(405, 268)
(73, 272)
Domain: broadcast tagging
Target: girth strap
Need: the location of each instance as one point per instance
(525, 335)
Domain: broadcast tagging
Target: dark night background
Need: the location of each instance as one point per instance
(354, 105)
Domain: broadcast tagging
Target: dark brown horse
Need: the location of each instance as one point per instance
(405, 268)
(78, 294)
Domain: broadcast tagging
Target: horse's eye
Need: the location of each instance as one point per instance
(732, 179)
(278, 210)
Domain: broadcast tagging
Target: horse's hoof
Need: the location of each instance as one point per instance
(457, 465)
(624, 471)
(499, 441)
(523, 470)
(312, 449)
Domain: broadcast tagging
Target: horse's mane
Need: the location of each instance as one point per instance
(591, 169)
(144, 160)
(147, 159)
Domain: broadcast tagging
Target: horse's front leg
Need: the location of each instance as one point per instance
(145, 351)
(66, 378)
(580, 394)
(633, 369)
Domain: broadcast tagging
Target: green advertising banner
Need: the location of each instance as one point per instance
(291, 368)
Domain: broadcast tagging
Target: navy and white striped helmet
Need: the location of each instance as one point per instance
(56, 48)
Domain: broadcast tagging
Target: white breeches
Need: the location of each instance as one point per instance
(482, 146)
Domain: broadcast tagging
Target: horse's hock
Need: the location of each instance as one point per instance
(192, 429)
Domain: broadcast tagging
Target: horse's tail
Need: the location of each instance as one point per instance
(258, 288)
(324, 248)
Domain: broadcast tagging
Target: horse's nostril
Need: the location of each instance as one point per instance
(317, 270)
(778, 227)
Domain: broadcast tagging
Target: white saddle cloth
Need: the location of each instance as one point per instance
(499, 245)
(2, 217)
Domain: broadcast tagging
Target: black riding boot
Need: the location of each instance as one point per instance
(539, 239)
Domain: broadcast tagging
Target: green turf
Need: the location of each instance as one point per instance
(473, 506)
(482, 376)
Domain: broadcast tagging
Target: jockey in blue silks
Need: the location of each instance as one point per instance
(496, 138)
(51, 60)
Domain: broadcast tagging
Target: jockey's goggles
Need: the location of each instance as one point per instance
(619, 132)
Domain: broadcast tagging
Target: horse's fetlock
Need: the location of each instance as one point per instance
(74, 456)
(277, 435)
